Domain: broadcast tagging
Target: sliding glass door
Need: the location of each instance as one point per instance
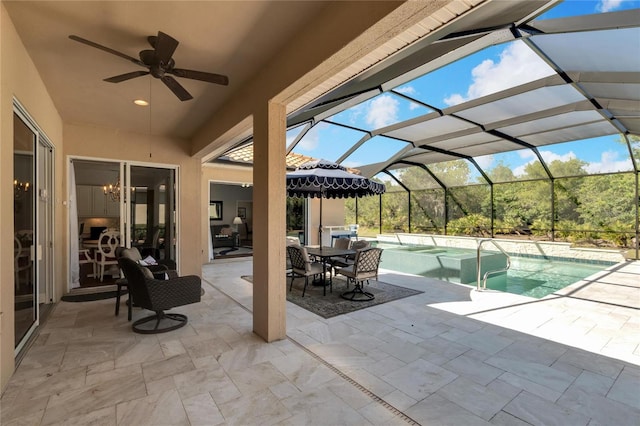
(152, 210)
(137, 200)
(24, 215)
(32, 225)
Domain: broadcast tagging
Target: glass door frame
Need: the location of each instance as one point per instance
(42, 253)
(125, 201)
(125, 207)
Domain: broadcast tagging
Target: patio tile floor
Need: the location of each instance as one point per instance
(448, 356)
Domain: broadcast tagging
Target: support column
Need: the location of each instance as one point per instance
(269, 224)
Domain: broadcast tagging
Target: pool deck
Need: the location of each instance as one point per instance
(448, 356)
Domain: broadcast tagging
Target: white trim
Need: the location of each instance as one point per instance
(41, 140)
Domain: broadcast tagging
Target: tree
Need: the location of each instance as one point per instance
(452, 173)
(501, 173)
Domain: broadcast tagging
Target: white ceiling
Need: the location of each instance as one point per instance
(233, 38)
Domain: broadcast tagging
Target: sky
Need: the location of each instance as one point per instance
(488, 71)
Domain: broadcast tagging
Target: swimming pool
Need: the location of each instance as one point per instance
(528, 276)
(540, 277)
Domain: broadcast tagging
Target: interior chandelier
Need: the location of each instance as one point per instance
(113, 191)
(20, 188)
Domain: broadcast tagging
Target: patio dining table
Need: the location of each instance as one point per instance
(325, 253)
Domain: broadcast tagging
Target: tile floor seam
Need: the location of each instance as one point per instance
(333, 368)
(511, 306)
(505, 405)
(605, 303)
(502, 410)
(613, 384)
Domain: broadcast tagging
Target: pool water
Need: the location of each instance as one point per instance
(528, 276)
(538, 278)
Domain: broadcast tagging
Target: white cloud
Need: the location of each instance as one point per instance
(517, 65)
(407, 90)
(549, 156)
(352, 164)
(385, 177)
(608, 5)
(609, 163)
(519, 171)
(310, 141)
(485, 162)
(526, 153)
(455, 99)
(355, 113)
(382, 111)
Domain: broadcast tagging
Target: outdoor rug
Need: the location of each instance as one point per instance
(89, 297)
(332, 304)
(229, 252)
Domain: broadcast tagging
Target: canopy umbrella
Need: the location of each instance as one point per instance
(324, 179)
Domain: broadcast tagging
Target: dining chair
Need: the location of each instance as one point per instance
(108, 242)
(85, 258)
(342, 243)
(290, 241)
(360, 244)
(302, 266)
(364, 268)
(21, 262)
(341, 262)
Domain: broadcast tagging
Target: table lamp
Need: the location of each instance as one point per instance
(237, 221)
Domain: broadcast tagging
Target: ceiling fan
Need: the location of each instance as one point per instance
(159, 63)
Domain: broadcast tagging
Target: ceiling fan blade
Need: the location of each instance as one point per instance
(127, 76)
(152, 41)
(107, 49)
(176, 88)
(199, 75)
(165, 45)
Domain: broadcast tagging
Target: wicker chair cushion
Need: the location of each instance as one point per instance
(300, 262)
(131, 253)
(147, 273)
(365, 265)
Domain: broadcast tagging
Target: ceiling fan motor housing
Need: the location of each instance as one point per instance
(156, 66)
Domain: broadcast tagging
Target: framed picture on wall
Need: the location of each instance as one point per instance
(215, 210)
(242, 212)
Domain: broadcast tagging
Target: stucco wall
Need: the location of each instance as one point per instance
(19, 78)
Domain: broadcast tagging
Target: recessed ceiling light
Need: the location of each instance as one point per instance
(141, 102)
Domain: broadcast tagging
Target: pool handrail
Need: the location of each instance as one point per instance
(496, 271)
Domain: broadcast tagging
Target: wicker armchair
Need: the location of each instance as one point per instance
(302, 266)
(167, 266)
(343, 261)
(159, 295)
(364, 268)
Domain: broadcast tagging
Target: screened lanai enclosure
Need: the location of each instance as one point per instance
(520, 120)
